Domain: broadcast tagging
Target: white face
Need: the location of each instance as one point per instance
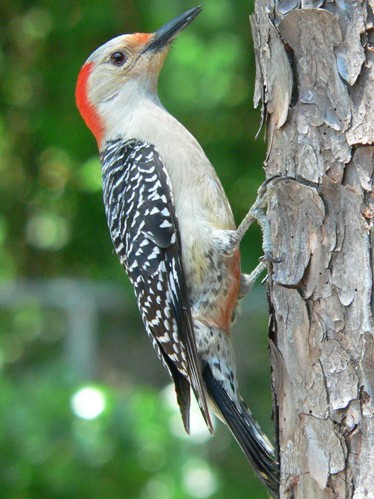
(120, 73)
(119, 61)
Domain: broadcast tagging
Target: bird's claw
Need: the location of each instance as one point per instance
(268, 257)
(269, 183)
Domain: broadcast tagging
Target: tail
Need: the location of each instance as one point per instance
(246, 431)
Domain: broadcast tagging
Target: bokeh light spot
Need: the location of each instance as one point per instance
(160, 487)
(199, 480)
(48, 231)
(88, 403)
(36, 23)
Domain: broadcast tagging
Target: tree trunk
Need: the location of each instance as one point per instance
(316, 80)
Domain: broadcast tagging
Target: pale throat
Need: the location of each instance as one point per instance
(125, 114)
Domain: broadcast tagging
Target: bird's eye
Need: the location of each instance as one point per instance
(118, 58)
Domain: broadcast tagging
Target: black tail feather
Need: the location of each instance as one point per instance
(183, 392)
(246, 431)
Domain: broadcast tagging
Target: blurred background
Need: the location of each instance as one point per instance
(86, 410)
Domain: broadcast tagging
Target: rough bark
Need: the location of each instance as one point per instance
(315, 79)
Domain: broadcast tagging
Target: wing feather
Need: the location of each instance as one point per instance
(144, 229)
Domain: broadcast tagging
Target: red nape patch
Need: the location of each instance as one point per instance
(87, 110)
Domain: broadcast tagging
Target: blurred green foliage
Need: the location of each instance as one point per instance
(52, 224)
(128, 450)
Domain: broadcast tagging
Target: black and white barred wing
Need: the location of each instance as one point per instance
(144, 229)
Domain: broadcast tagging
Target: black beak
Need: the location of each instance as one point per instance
(170, 30)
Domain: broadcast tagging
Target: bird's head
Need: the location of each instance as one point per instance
(123, 69)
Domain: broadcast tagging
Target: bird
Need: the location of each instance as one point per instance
(173, 230)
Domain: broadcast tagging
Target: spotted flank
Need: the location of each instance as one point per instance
(144, 229)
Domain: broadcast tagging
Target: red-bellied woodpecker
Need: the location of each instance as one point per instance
(173, 230)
